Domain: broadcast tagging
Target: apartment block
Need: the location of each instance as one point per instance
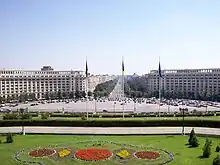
(187, 81)
(16, 82)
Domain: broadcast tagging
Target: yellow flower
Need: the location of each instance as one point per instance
(123, 154)
(64, 153)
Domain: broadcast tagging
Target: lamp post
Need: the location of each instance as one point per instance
(23, 131)
(134, 105)
(114, 107)
(169, 107)
(95, 105)
(183, 126)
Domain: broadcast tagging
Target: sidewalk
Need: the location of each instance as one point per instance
(111, 130)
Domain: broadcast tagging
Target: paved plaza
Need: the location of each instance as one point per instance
(110, 106)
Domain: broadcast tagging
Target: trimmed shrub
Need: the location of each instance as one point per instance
(9, 138)
(45, 116)
(207, 148)
(192, 133)
(26, 116)
(83, 118)
(11, 116)
(216, 160)
(194, 142)
(110, 123)
(217, 149)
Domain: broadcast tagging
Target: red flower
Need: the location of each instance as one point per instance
(147, 155)
(93, 154)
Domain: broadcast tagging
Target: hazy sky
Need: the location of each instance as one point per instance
(61, 33)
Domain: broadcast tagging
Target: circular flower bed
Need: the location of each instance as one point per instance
(123, 153)
(64, 153)
(42, 152)
(90, 154)
(147, 155)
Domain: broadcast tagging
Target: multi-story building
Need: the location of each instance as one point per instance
(187, 81)
(16, 82)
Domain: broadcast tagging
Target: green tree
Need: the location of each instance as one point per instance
(1, 100)
(95, 95)
(89, 93)
(25, 116)
(59, 94)
(53, 95)
(8, 99)
(26, 97)
(71, 95)
(64, 95)
(32, 96)
(78, 94)
(21, 98)
(9, 138)
(216, 160)
(83, 94)
(207, 148)
(217, 149)
(192, 133)
(106, 87)
(139, 94)
(45, 115)
(194, 142)
(13, 97)
(47, 96)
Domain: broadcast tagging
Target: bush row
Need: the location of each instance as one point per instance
(111, 123)
(129, 115)
(15, 116)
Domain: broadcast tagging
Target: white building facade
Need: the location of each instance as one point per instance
(187, 81)
(17, 82)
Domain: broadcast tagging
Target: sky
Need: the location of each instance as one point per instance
(182, 33)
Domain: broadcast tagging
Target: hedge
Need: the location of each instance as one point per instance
(128, 115)
(111, 123)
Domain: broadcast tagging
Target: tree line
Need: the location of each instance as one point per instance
(104, 89)
(47, 96)
(136, 87)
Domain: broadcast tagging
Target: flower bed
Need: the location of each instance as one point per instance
(123, 154)
(64, 153)
(93, 154)
(42, 152)
(147, 155)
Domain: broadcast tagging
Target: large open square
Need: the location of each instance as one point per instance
(110, 106)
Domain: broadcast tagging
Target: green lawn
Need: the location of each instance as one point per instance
(175, 144)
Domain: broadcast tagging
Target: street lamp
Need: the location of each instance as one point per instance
(169, 107)
(95, 105)
(114, 107)
(183, 126)
(134, 104)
